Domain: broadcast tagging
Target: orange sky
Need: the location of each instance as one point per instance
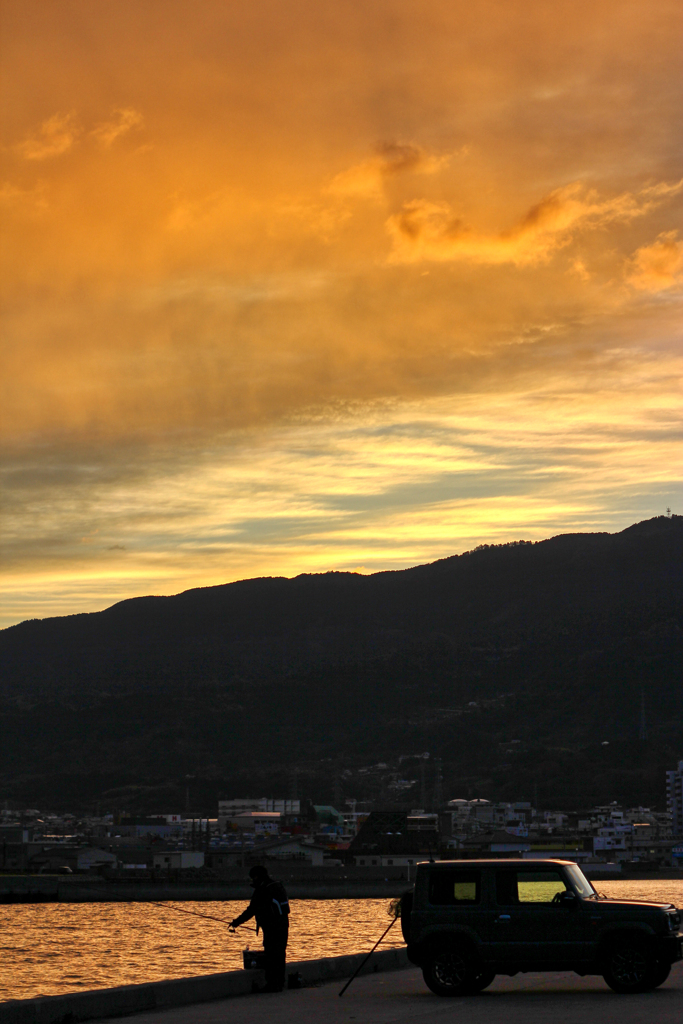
(326, 284)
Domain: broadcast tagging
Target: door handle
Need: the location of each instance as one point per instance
(503, 917)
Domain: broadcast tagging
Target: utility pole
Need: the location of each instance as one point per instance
(438, 781)
(337, 790)
(187, 791)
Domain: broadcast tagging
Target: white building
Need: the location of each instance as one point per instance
(674, 798)
(90, 858)
(177, 860)
(295, 848)
(369, 860)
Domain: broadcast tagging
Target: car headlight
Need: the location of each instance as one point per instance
(674, 922)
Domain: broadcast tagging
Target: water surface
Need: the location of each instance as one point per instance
(51, 948)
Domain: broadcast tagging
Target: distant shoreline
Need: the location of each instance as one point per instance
(27, 889)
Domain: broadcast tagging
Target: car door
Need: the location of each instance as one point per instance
(454, 899)
(532, 923)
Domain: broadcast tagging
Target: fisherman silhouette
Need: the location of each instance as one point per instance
(270, 906)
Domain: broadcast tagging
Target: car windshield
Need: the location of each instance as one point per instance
(580, 882)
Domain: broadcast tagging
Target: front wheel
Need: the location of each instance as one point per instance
(453, 971)
(661, 973)
(630, 967)
(482, 980)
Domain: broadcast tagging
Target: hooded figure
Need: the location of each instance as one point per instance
(270, 906)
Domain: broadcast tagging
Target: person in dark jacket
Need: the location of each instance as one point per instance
(270, 906)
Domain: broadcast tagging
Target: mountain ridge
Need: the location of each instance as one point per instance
(344, 666)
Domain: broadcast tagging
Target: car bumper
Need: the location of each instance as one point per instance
(671, 948)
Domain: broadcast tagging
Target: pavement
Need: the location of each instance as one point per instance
(401, 996)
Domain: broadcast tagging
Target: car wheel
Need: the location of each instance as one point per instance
(481, 981)
(660, 974)
(630, 967)
(451, 971)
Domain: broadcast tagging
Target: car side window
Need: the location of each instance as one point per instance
(454, 888)
(513, 887)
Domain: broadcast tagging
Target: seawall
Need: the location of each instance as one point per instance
(77, 889)
(321, 885)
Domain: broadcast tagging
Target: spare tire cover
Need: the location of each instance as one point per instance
(406, 909)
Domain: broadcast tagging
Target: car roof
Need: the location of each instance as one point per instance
(500, 862)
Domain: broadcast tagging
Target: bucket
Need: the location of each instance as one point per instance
(253, 959)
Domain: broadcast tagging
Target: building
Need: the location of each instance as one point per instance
(178, 860)
(15, 834)
(294, 848)
(674, 798)
(228, 810)
(290, 851)
(463, 817)
(256, 821)
(387, 836)
(152, 826)
(393, 861)
(496, 842)
(90, 858)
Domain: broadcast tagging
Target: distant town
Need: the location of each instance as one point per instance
(295, 835)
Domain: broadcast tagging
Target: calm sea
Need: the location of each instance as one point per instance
(50, 948)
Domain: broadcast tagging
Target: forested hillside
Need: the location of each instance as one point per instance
(512, 664)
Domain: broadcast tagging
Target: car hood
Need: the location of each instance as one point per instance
(628, 904)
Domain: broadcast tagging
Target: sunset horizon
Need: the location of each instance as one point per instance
(325, 286)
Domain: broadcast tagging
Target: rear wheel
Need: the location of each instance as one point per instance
(630, 967)
(453, 970)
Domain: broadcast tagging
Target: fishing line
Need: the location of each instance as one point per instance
(164, 906)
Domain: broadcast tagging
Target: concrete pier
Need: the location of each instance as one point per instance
(390, 993)
(403, 998)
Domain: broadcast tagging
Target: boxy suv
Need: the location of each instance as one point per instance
(466, 921)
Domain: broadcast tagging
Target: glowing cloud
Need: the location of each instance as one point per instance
(246, 336)
(430, 231)
(659, 266)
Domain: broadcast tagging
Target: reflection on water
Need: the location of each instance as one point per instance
(49, 948)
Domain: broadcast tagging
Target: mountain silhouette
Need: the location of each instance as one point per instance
(570, 646)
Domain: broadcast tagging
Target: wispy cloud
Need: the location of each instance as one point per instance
(384, 487)
(122, 121)
(366, 180)
(55, 136)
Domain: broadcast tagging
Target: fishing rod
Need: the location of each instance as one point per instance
(165, 906)
(395, 912)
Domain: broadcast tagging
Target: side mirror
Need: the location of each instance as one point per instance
(568, 899)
